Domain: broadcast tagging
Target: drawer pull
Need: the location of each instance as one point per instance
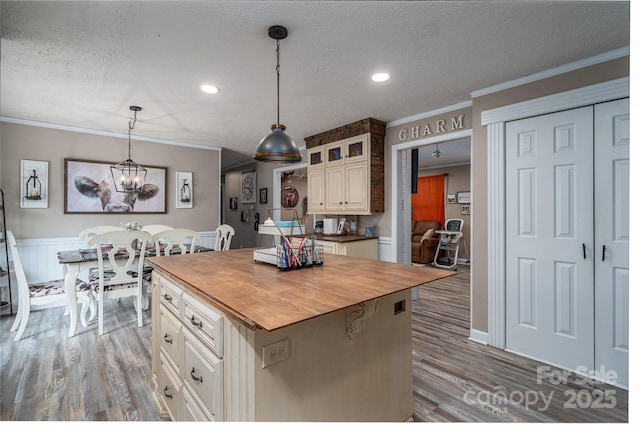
(195, 378)
(168, 297)
(194, 322)
(167, 395)
(168, 339)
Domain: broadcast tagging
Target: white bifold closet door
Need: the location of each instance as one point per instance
(612, 239)
(567, 199)
(549, 237)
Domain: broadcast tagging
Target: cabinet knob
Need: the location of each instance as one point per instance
(167, 297)
(168, 339)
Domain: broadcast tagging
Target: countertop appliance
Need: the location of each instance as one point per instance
(319, 227)
(330, 226)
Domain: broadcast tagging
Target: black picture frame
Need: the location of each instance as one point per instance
(233, 203)
(263, 195)
(87, 182)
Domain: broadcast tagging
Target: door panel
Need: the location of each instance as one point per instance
(612, 238)
(334, 177)
(549, 198)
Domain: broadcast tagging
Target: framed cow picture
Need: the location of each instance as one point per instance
(89, 189)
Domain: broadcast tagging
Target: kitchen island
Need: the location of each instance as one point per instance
(239, 340)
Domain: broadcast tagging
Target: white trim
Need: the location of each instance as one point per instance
(576, 98)
(573, 66)
(478, 336)
(496, 224)
(423, 115)
(220, 193)
(453, 164)
(496, 119)
(107, 133)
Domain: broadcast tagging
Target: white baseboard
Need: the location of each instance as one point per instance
(478, 336)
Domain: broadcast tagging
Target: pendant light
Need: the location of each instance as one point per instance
(277, 146)
(128, 176)
(436, 153)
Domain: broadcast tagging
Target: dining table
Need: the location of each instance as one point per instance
(79, 260)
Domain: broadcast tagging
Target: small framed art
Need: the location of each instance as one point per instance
(464, 197)
(263, 195)
(184, 189)
(34, 187)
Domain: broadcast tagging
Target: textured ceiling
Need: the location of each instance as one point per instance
(82, 63)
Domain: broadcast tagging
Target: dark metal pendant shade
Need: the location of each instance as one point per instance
(277, 146)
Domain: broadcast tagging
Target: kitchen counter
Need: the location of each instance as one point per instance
(239, 340)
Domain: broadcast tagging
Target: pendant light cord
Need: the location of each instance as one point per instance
(278, 82)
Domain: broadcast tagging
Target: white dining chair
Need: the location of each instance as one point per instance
(170, 241)
(92, 231)
(224, 234)
(43, 295)
(116, 277)
(152, 229)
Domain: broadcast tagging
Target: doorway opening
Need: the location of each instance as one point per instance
(447, 154)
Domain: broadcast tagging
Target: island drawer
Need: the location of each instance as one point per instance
(170, 334)
(193, 409)
(170, 295)
(205, 322)
(203, 372)
(170, 389)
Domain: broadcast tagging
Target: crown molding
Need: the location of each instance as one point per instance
(563, 69)
(107, 133)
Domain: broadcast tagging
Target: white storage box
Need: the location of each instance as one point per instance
(267, 255)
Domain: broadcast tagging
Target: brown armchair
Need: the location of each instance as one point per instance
(423, 247)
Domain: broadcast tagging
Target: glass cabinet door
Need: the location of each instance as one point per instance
(316, 157)
(357, 148)
(334, 154)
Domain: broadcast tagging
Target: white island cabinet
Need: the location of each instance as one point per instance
(238, 340)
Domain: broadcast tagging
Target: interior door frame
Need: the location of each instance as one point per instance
(400, 169)
(495, 121)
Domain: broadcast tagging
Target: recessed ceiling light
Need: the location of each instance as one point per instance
(380, 77)
(209, 89)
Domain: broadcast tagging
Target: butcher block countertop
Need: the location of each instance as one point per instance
(341, 238)
(261, 296)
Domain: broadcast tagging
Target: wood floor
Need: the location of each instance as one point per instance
(457, 380)
(47, 376)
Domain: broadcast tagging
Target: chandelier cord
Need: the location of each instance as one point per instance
(132, 124)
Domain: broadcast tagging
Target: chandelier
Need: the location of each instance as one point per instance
(128, 176)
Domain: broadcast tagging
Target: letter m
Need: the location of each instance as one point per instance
(457, 122)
